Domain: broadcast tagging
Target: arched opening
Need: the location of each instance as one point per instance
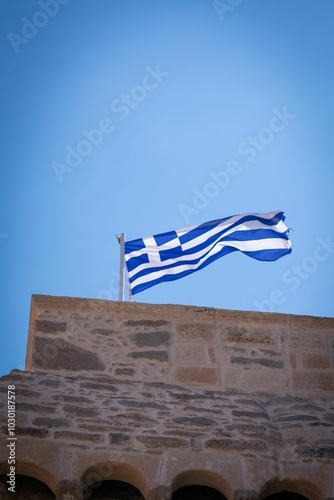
(286, 495)
(197, 492)
(200, 485)
(117, 490)
(116, 478)
(32, 470)
(291, 489)
(24, 487)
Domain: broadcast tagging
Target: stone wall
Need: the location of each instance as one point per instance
(167, 396)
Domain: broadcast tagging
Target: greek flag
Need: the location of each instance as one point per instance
(173, 255)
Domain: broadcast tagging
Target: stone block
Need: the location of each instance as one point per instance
(105, 386)
(204, 332)
(316, 451)
(309, 323)
(70, 489)
(244, 335)
(119, 438)
(51, 422)
(160, 493)
(196, 375)
(231, 375)
(163, 442)
(188, 353)
(152, 339)
(31, 432)
(293, 359)
(212, 355)
(78, 436)
(269, 363)
(305, 340)
(314, 360)
(104, 332)
(249, 415)
(146, 323)
(263, 379)
(156, 355)
(195, 421)
(34, 408)
(313, 380)
(80, 411)
(62, 355)
(125, 371)
(46, 326)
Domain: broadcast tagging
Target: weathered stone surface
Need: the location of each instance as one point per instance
(133, 420)
(160, 493)
(158, 355)
(325, 452)
(105, 386)
(119, 438)
(314, 360)
(247, 429)
(29, 431)
(20, 392)
(51, 422)
(70, 489)
(224, 404)
(293, 359)
(313, 380)
(270, 363)
(80, 411)
(103, 331)
(196, 421)
(161, 442)
(296, 418)
(303, 340)
(250, 414)
(146, 322)
(72, 399)
(125, 371)
(28, 407)
(46, 326)
(152, 339)
(236, 445)
(246, 335)
(245, 495)
(142, 404)
(193, 375)
(101, 426)
(189, 353)
(62, 355)
(78, 436)
(196, 332)
(49, 383)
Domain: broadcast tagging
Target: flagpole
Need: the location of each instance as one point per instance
(121, 240)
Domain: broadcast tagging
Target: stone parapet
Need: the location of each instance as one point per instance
(188, 346)
(162, 397)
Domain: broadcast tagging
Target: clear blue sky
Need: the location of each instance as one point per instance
(125, 116)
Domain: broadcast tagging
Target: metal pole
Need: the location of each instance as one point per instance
(121, 240)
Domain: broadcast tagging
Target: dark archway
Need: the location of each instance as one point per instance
(197, 492)
(286, 495)
(25, 487)
(116, 490)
